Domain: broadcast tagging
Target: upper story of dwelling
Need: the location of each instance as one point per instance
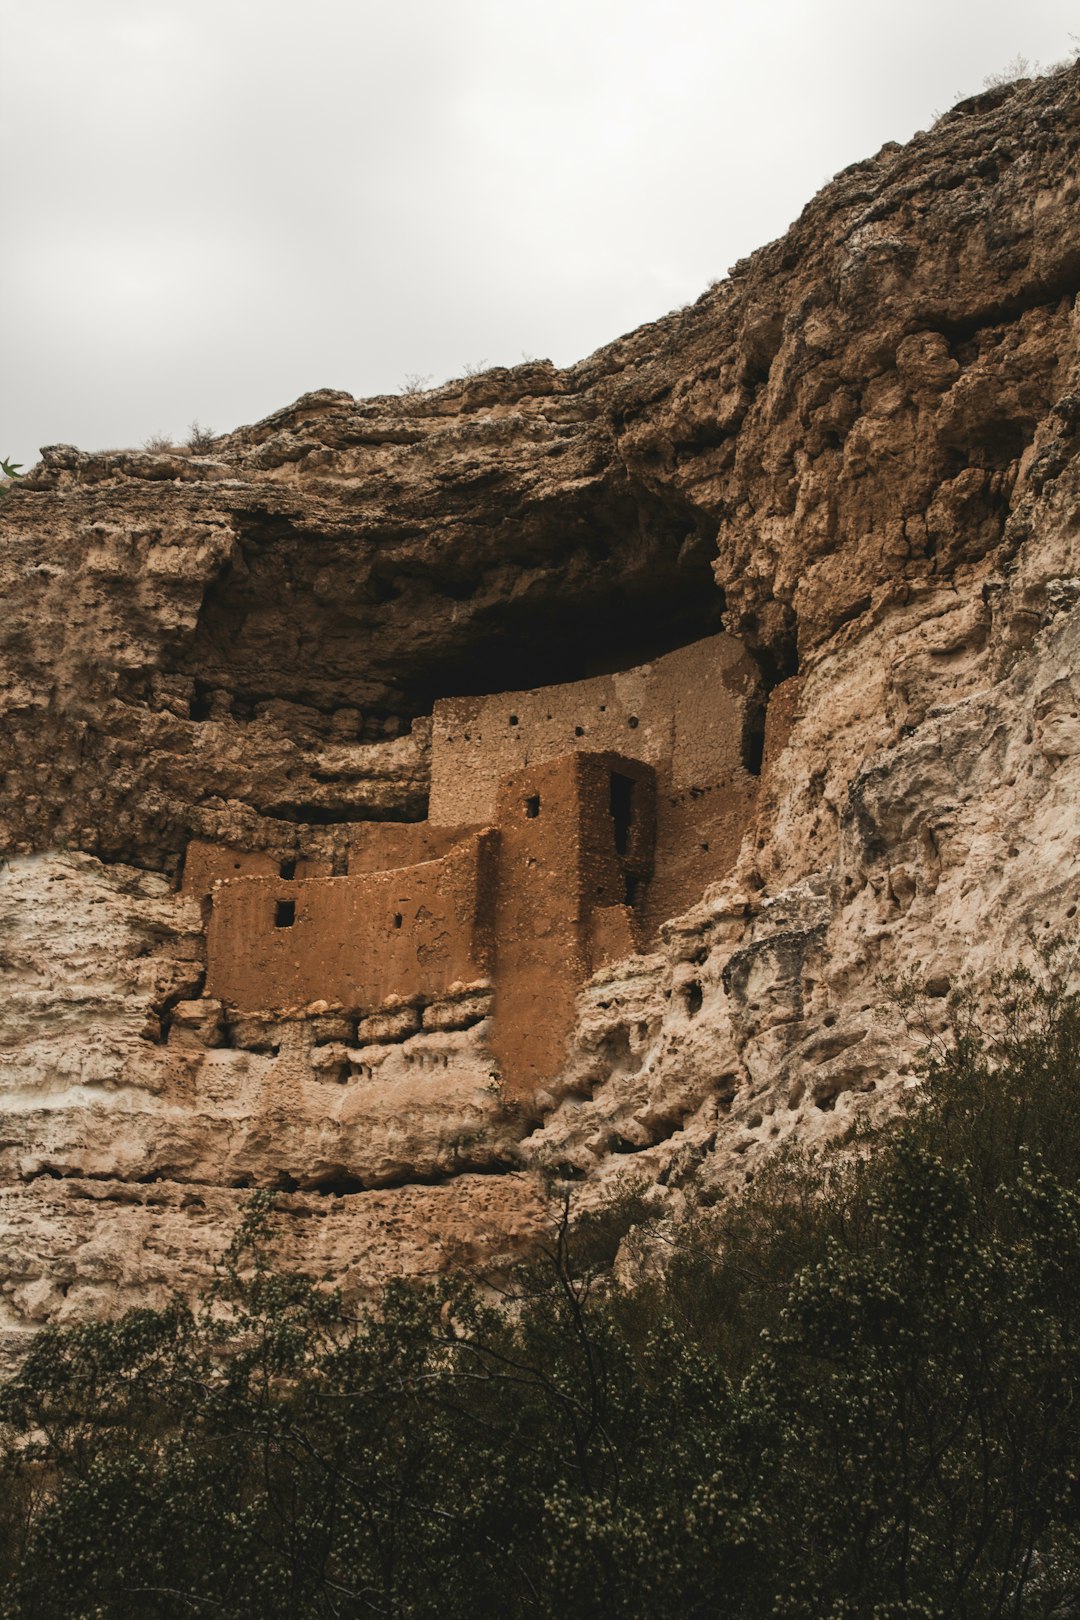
(694, 715)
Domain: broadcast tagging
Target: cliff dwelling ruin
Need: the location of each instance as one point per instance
(565, 824)
(493, 875)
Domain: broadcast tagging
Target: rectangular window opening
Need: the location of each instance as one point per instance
(622, 809)
(397, 919)
(532, 806)
(284, 913)
(287, 870)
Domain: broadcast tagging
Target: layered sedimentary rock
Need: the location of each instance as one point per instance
(856, 456)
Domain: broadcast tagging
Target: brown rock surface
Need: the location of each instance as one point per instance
(857, 454)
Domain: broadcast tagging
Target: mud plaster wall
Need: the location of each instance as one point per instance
(355, 940)
(613, 934)
(206, 864)
(684, 713)
(687, 714)
(376, 846)
(558, 864)
(373, 846)
(698, 834)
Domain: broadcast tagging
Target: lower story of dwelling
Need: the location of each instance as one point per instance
(586, 854)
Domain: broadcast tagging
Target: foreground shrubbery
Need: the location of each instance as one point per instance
(856, 1393)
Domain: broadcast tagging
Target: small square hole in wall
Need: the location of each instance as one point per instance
(397, 919)
(287, 870)
(532, 806)
(284, 913)
(513, 719)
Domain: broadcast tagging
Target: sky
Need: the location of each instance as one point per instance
(210, 207)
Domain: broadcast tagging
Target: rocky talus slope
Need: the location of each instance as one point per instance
(857, 453)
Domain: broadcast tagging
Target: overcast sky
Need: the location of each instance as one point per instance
(212, 206)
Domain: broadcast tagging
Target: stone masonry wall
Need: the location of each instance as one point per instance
(376, 846)
(558, 864)
(690, 714)
(353, 940)
(206, 864)
(685, 714)
(536, 901)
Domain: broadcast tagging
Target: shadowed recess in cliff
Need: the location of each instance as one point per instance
(332, 619)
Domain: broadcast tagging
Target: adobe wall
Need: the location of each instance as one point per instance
(372, 846)
(698, 834)
(613, 935)
(206, 864)
(684, 713)
(608, 876)
(567, 880)
(376, 846)
(559, 865)
(355, 940)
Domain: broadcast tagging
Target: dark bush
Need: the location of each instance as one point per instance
(199, 439)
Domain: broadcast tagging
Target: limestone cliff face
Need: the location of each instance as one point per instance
(857, 454)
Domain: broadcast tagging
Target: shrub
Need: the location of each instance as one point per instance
(199, 439)
(1018, 68)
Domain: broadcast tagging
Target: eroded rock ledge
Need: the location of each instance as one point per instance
(857, 455)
